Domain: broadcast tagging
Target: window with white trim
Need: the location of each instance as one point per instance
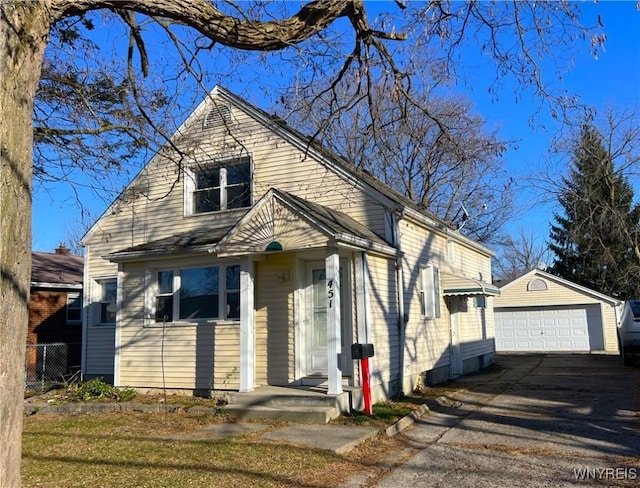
(74, 308)
(480, 301)
(197, 294)
(429, 292)
(106, 303)
(219, 185)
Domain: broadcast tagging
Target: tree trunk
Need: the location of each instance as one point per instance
(24, 31)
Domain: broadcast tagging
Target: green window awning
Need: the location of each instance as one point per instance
(453, 285)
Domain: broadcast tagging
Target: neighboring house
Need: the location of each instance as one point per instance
(540, 312)
(253, 257)
(55, 307)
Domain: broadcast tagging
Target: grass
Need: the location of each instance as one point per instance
(136, 449)
(384, 414)
(142, 450)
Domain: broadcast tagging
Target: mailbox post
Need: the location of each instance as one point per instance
(363, 352)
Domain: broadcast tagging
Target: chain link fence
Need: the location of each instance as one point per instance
(51, 365)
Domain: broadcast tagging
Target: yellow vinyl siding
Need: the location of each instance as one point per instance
(556, 294)
(152, 207)
(99, 352)
(227, 357)
(476, 330)
(99, 340)
(383, 320)
(428, 340)
(610, 326)
(274, 320)
(177, 356)
(278, 223)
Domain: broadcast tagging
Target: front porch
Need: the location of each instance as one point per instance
(302, 404)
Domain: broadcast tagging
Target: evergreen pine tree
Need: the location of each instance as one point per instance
(595, 242)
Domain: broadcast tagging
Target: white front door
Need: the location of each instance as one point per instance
(316, 362)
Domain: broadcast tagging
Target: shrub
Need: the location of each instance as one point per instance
(97, 389)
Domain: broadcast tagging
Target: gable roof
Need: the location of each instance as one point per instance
(334, 224)
(339, 227)
(357, 176)
(371, 185)
(538, 273)
(56, 270)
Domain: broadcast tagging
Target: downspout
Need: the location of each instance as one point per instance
(118, 330)
(400, 287)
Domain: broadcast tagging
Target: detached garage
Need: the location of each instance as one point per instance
(539, 312)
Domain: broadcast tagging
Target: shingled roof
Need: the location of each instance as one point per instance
(59, 269)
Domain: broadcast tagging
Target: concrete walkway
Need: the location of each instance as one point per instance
(336, 438)
(542, 421)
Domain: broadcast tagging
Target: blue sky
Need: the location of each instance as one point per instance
(613, 78)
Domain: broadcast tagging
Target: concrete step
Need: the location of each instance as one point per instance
(281, 399)
(289, 413)
(310, 405)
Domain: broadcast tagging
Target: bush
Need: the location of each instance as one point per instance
(97, 389)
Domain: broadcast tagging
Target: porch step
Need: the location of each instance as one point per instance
(303, 405)
(288, 413)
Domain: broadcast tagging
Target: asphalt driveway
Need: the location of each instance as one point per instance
(557, 420)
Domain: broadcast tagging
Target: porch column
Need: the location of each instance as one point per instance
(332, 267)
(247, 327)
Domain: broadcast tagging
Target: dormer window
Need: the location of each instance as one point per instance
(219, 185)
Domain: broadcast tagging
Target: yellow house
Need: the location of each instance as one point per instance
(245, 255)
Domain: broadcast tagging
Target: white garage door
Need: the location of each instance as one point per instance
(548, 329)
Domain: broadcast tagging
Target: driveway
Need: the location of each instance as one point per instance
(561, 420)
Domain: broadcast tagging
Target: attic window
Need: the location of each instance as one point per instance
(220, 185)
(537, 285)
(218, 116)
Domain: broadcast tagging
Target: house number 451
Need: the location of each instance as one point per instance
(330, 293)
